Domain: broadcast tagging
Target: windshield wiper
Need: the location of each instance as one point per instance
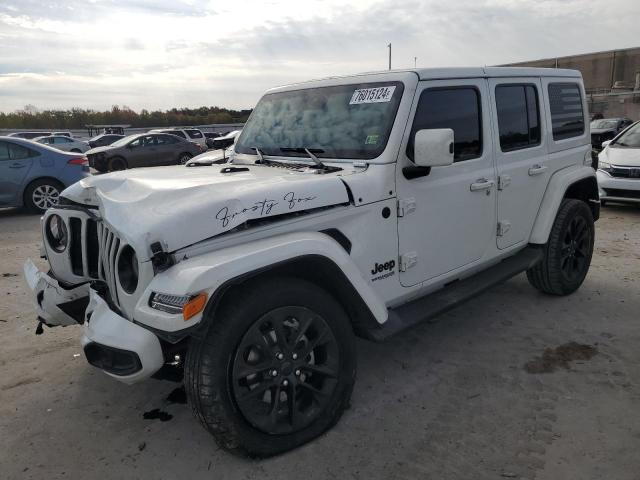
(260, 155)
(309, 152)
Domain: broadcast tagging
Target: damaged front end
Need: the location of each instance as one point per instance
(56, 303)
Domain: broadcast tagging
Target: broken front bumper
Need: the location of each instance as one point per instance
(112, 343)
(120, 348)
(55, 305)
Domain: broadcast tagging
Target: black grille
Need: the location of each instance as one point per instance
(616, 192)
(93, 249)
(75, 246)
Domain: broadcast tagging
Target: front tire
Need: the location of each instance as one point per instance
(567, 254)
(275, 369)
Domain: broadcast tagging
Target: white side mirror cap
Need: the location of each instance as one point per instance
(605, 144)
(433, 147)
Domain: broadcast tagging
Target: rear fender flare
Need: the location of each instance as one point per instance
(585, 187)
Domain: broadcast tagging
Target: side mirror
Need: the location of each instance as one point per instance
(605, 144)
(222, 142)
(433, 147)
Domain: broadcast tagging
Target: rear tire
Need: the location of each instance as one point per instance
(183, 158)
(275, 369)
(42, 194)
(116, 164)
(567, 254)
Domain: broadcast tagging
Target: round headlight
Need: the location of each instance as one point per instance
(128, 269)
(57, 234)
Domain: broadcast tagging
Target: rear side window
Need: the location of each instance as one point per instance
(179, 133)
(195, 133)
(457, 108)
(567, 117)
(518, 116)
(18, 152)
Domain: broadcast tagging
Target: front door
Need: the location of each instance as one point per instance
(521, 156)
(448, 217)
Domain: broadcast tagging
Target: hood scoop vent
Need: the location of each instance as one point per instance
(233, 169)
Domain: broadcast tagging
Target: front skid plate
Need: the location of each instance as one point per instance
(48, 295)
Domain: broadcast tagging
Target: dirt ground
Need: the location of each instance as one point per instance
(452, 399)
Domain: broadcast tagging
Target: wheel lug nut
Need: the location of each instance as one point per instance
(294, 356)
(279, 356)
(298, 373)
(274, 373)
(285, 383)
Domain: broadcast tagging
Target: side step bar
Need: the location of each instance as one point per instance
(416, 311)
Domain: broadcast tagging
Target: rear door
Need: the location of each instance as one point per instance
(521, 156)
(168, 148)
(15, 163)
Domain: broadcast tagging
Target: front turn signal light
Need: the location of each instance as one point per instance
(194, 306)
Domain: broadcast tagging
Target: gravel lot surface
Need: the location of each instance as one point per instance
(459, 398)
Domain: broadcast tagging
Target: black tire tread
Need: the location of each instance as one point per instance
(544, 276)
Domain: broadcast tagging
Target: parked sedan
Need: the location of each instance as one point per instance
(33, 175)
(143, 150)
(191, 134)
(606, 128)
(619, 168)
(104, 139)
(63, 143)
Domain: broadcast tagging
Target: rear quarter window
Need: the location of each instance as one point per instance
(567, 116)
(194, 133)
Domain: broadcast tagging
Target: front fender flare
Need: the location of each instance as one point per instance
(211, 271)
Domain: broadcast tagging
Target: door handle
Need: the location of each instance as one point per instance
(537, 170)
(481, 184)
(17, 165)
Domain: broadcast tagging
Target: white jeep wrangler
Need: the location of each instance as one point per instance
(356, 205)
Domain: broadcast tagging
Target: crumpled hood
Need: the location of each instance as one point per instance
(179, 206)
(623, 156)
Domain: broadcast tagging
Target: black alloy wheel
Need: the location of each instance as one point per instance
(285, 370)
(575, 253)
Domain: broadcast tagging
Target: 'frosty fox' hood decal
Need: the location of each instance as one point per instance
(179, 206)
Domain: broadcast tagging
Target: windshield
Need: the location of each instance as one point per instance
(630, 138)
(123, 141)
(604, 124)
(343, 122)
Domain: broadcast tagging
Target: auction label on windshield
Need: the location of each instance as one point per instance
(372, 95)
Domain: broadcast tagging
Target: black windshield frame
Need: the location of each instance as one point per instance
(249, 140)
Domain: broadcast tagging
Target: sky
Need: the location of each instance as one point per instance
(160, 54)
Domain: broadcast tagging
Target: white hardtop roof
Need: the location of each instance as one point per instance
(451, 73)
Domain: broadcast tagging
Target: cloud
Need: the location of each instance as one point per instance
(165, 53)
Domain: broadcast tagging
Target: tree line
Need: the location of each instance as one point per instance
(32, 117)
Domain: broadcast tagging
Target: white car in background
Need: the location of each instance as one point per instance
(63, 143)
(619, 168)
(190, 134)
(217, 155)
